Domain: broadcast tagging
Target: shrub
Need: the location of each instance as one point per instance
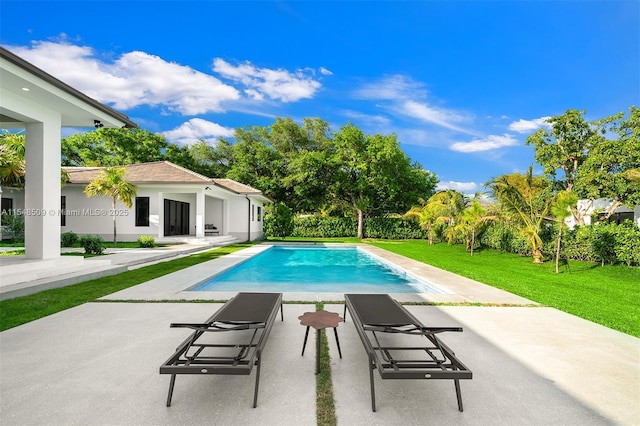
(393, 228)
(92, 244)
(627, 246)
(146, 241)
(13, 226)
(68, 239)
(278, 222)
(324, 227)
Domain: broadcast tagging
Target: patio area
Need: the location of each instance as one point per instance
(99, 364)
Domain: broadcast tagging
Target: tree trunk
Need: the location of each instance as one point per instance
(473, 241)
(360, 224)
(558, 249)
(114, 221)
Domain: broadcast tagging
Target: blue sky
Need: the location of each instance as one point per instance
(462, 83)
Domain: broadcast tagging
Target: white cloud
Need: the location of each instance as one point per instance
(464, 187)
(325, 71)
(525, 126)
(195, 129)
(135, 78)
(366, 118)
(489, 143)
(277, 84)
(407, 98)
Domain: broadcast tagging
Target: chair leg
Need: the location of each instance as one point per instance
(335, 331)
(458, 394)
(171, 384)
(306, 334)
(373, 392)
(255, 392)
(281, 313)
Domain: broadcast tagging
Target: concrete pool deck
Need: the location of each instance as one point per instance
(99, 364)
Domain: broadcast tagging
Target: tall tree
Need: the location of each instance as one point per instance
(374, 176)
(112, 183)
(564, 148)
(528, 200)
(609, 168)
(112, 147)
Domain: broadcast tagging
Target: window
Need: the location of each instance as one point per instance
(63, 207)
(259, 213)
(142, 211)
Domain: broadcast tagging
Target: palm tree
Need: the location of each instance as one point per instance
(473, 219)
(561, 210)
(111, 183)
(12, 165)
(427, 214)
(525, 198)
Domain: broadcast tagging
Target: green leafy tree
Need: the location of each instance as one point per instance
(111, 183)
(609, 169)
(527, 200)
(564, 148)
(112, 147)
(278, 221)
(374, 176)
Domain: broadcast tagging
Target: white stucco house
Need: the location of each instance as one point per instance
(170, 202)
(40, 104)
(598, 206)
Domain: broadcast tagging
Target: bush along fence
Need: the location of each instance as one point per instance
(605, 243)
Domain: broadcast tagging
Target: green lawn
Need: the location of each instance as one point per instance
(24, 309)
(608, 295)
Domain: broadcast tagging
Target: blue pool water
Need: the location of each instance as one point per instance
(315, 269)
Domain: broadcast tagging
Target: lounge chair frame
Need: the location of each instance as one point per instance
(374, 314)
(251, 312)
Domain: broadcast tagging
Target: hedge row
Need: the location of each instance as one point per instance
(606, 243)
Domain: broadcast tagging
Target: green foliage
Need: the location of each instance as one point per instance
(68, 239)
(393, 228)
(324, 227)
(12, 165)
(112, 147)
(13, 226)
(146, 241)
(627, 247)
(278, 221)
(113, 184)
(92, 244)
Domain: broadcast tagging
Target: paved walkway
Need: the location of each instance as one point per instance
(99, 364)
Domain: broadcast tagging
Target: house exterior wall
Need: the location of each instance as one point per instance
(231, 213)
(602, 205)
(242, 224)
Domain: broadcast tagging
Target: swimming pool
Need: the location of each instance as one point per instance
(316, 269)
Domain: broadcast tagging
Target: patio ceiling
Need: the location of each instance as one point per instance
(22, 84)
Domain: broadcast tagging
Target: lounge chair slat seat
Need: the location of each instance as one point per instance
(252, 313)
(379, 314)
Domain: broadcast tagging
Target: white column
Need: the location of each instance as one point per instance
(42, 189)
(200, 200)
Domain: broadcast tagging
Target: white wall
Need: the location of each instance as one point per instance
(227, 211)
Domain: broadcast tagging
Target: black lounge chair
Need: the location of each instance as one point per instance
(251, 315)
(376, 315)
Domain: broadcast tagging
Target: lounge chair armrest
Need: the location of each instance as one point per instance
(193, 326)
(434, 330)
